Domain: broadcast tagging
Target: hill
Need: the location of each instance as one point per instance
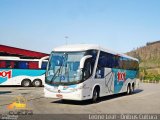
(149, 57)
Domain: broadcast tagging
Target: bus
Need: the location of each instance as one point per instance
(81, 72)
(24, 72)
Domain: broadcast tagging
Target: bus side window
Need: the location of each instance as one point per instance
(2, 64)
(23, 65)
(116, 61)
(93, 53)
(101, 64)
(12, 64)
(100, 73)
(16, 64)
(33, 65)
(8, 64)
(87, 72)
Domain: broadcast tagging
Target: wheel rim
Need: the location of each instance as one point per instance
(37, 83)
(95, 95)
(26, 83)
(132, 88)
(128, 90)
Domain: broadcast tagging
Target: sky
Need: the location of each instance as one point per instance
(41, 25)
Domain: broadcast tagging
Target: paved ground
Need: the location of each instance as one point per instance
(146, 99)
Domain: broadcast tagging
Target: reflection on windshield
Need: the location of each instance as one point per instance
(64, 68)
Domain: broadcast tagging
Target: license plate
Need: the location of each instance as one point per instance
(59, 95)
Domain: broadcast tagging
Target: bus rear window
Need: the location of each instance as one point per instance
(33, 65)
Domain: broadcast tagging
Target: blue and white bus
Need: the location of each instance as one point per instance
(24, 72)
(81, 72)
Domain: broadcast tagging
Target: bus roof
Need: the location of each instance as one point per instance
(9, 58)
(19, 59)
(84, 47)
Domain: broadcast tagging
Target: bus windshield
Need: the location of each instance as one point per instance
(63, 68)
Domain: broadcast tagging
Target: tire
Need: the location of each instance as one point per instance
(129, 90)
(133, 88)
(26, 83)
(95, 95)
(37, 83)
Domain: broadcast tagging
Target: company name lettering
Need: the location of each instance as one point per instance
(121, 76)
(7, 74)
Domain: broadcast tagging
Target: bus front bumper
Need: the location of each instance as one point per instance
(76, 95)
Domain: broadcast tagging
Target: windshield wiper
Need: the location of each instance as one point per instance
(57, 72)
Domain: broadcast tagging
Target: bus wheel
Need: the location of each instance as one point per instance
(129, 89)
(37, 83)
(26, 83)
(133, 87)
(95, 95)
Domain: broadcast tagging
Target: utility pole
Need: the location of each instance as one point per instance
(66, 37)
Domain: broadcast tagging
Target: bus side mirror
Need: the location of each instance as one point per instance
(83, 59)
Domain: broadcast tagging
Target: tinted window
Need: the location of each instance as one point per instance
(115, 61)
(23, 65)
(89, 64)
(12, 64)
(44, 65)
(33, 65)
(2, 64)
(7, 64)
(107, 60)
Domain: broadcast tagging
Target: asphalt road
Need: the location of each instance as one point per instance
(146, 99)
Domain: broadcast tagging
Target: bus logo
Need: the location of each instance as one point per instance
(62, 78)
(7, 74)
(121, 76)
